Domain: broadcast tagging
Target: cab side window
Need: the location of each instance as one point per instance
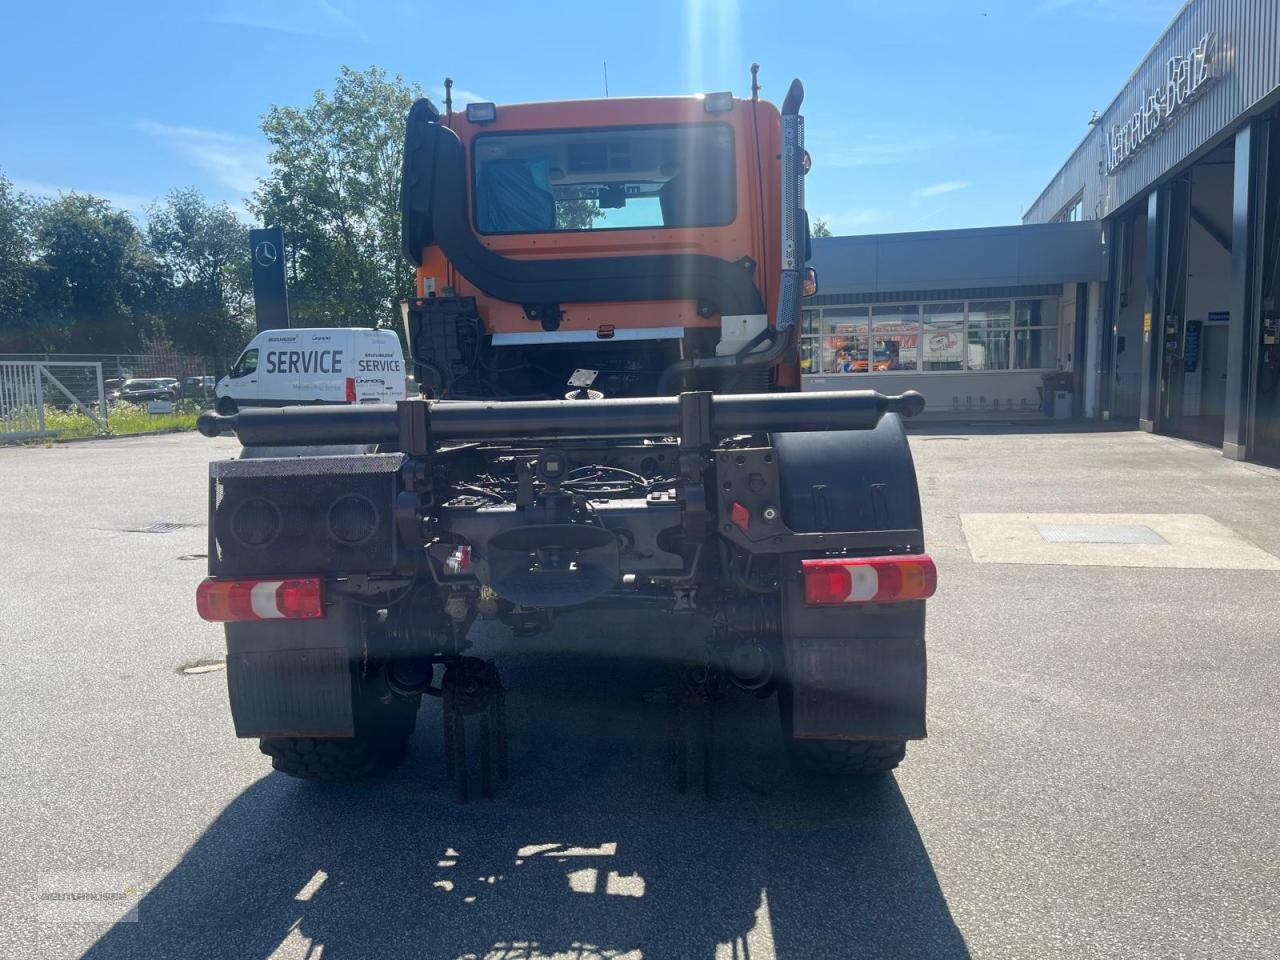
(247, 364)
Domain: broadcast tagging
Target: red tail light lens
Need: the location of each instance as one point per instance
(221, 601)
(869, 579)
(351, 389)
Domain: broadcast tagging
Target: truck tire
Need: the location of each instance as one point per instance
(226, 407)
(378, 747)
(848, 757)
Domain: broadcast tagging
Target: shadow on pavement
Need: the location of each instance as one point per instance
(589, 851)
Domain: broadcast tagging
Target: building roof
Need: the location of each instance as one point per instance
(1012, 256)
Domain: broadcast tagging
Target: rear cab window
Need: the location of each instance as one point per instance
(678, 175)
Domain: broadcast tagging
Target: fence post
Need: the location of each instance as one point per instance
(39, 377)
(102, 398)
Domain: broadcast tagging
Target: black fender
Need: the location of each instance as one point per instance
(855, 672)
(849, 480)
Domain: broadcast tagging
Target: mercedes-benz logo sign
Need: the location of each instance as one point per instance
(265, 253)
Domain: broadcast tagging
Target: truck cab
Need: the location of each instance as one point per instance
(638, 238)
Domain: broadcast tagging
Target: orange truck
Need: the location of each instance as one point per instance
(604, 331)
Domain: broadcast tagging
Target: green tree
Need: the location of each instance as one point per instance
(208, 303)
(16, 267)
(96, 285)
(819, 228)
(334, 186)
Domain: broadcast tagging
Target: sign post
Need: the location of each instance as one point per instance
(270, 297)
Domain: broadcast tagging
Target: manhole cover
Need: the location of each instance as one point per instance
(164, 526)
(1099, 533)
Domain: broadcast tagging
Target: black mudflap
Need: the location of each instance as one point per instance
(865, 688)
(855, 673)
(294, 678)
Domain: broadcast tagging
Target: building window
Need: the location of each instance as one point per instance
(942, 337)
(895, 332)
(988, 335)
(1072, 212)
(1035, 334)
(844, 342)
(979, 335)
(810, 330)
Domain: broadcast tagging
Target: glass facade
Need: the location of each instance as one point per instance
(976, 335)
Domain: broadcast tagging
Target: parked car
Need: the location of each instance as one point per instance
(143, 391)
(173, 384)
(198, 386)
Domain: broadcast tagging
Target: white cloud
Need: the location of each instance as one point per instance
(461, 97)
(312, 18)
(234, 160)
(938, 189)
(133, 202)
(871, 151)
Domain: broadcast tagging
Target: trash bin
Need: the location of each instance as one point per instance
(1055, 396)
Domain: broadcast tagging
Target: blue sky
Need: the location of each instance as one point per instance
(921, 114)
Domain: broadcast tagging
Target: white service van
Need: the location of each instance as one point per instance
(315, 365)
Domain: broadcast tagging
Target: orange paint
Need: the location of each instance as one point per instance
(754, 232)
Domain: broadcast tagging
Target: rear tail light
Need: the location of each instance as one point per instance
(301, 598)
(869, 579)
(351, 389)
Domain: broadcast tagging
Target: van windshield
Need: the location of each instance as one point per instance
(247, 363)
(666, 176)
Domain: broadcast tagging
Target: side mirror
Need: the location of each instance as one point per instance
(809, 287)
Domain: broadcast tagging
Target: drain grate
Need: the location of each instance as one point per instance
(164, 526)
(1099, 533)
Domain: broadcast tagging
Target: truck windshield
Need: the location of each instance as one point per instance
(667, 176)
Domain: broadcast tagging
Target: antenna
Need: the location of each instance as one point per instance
(606, 79)
(448, 98)
(755, 82)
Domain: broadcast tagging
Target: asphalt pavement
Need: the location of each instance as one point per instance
(1101, 777)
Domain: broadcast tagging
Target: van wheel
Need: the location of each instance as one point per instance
(226, 407)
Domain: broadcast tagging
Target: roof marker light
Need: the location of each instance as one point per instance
(718, 102)
(481, 113)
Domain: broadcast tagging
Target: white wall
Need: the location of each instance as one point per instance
(1092, 358)
(1067, 327)
(998, 392)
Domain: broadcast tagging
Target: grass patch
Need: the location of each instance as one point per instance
(123, 419)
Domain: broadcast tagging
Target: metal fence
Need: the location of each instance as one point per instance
(28, 388)
(159, 362)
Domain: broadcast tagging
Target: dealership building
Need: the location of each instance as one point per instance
(1142, 284)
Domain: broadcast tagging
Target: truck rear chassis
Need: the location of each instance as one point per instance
(726, 511)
